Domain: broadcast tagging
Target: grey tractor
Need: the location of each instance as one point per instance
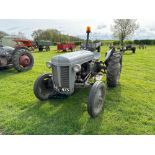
(19, 58)
(81, 69)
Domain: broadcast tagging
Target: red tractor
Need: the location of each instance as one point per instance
(65, 47)
(24, 43)
(17, 42)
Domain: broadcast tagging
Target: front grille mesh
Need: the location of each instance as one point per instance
(64, 76)
(55, 74)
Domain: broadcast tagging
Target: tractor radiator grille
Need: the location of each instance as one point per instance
(63, 72)
(55, 74)
(64, 76)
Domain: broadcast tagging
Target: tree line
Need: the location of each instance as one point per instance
(55, 36)
(127, 42)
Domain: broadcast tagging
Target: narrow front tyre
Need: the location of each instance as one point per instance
(43, 87)
(96, 99)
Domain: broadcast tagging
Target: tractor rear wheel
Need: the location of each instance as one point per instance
(22, 60)
(43, 87)
(96, 99)
(114, 69)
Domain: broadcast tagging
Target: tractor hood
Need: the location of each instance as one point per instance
(77, 57)
(6, 50)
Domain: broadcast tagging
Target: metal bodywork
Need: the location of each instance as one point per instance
(5, 55)
(43, 43)
(64, 77)
(62, 68)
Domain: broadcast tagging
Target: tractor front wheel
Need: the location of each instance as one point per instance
(96, 99)
(43, 87)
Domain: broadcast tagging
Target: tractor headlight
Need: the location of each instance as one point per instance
(48, 64)
(77, 68)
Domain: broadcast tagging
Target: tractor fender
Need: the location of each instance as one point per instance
(108, 55)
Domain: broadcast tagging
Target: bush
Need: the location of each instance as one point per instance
(144, 42)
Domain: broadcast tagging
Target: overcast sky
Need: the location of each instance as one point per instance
(101, 29)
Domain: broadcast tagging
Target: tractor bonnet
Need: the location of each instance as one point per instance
(78, 57)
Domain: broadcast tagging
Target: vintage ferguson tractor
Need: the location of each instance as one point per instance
(130, 48)
(124, 48)
(81, 69)
(19, 58)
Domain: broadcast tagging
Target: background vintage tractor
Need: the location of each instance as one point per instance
(130, 48)
(19, 58)
(124, 48)
(81, 69)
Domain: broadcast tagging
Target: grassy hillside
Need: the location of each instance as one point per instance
(129, 108)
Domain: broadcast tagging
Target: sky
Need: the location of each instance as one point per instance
(101, 29)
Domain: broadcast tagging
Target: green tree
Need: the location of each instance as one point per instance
(124, 28)
(53, 35)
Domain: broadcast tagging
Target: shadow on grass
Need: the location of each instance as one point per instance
(56, 116)
(8, 72)
(62, 116)
(4, 73)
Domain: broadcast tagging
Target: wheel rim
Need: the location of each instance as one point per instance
(24, 60)
(98, 101)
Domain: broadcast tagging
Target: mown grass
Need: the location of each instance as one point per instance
(129, 108)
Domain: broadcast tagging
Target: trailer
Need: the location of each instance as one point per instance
(43, 44)
(65, 47)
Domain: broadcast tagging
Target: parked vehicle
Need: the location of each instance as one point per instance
(130, 48)
(81, 69)
(20, 58)
(65, 47)
(17, 42)
(43, 44)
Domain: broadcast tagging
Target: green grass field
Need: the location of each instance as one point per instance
(129, 108)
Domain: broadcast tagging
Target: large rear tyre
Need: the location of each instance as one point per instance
(114, 69)
(43, 87)
(22, 60)
(96, 99)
